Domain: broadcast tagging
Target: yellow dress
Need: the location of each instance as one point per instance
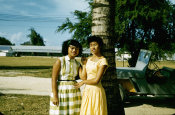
(94, 97)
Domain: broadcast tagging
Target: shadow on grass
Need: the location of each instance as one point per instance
(1, 94)
(1, 113)
(25, 67)
(153, 101)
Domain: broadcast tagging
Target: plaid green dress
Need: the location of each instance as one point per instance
(69, 97)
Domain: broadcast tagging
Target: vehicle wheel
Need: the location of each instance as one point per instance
(122, 93)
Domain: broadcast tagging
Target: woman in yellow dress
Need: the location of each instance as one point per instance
(94, 97)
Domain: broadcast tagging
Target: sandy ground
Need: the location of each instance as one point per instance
(42, 86)
(25, 85)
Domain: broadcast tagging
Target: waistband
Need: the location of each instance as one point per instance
(66, 80)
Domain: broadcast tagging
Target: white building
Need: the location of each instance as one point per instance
(33, 50)
(4, 49)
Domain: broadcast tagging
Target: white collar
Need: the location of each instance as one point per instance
(68, 58)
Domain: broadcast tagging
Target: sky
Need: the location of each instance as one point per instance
(17, 17)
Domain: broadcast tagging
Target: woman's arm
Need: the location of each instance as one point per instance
(82, 72)
(55, 72)
(95, 80)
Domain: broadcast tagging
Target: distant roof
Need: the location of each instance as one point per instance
(5, 47)
(42, 49)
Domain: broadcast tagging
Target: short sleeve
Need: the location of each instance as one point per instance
(103, 61)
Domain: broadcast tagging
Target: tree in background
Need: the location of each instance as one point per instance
(139, 24)
(81, 28)
(145, 24)
(4, 41)
(27, 43)
(35, 38)
(103, 25)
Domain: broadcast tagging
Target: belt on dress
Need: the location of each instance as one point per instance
(66, 80)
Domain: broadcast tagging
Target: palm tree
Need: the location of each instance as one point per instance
(103, 23)
(35, 38)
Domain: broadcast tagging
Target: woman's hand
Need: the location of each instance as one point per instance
(78, 85)
(55, 101)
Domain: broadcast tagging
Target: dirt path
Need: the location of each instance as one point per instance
(25, 85)
(42, 86)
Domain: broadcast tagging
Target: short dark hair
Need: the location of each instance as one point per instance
(73, 42)
(96, 39)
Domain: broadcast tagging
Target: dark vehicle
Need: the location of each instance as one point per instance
(140, 80)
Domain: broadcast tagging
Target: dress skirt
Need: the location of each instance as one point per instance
(94, 100)
(69, 99)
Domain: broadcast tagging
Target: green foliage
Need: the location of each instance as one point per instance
(145, 24)
(26, 43)
(139, 24)
(35, 38)
(81, 28)
(4, 41)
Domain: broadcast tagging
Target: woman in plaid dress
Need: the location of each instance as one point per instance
(65, 98)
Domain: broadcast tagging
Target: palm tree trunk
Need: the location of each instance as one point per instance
(103, 25)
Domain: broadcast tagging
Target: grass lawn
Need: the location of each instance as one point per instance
(45, 73)
(12, 104)
(170, 64)
(26, 61)
(26, 66)
(42, 66)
